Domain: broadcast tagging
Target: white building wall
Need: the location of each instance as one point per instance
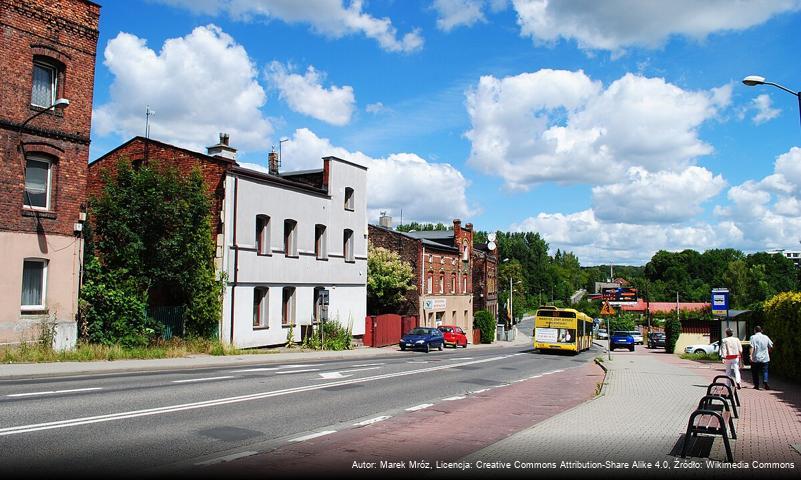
(345, 281)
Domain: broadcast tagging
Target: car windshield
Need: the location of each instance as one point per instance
(620, 334)
(420, 331)
(445, 329)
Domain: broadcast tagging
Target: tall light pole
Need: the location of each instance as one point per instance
(753, 80)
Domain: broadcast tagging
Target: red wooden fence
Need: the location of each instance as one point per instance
(387, 329)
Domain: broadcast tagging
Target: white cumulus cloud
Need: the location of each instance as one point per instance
(614, 25)
(305, 94)
(331, 18)
(425, 191)
(199, 85)
(561, 126)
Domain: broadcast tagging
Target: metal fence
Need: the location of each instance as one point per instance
(171, 320)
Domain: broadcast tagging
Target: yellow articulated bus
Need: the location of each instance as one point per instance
(562, 329)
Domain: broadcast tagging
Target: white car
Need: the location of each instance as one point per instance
(708, 349)
(637, 336)
(602, 335)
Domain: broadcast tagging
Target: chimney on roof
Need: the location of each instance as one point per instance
(385, 220)
(457, 227)
(222, 149)
(273, 162)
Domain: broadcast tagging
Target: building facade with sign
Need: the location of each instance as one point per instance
(485, 279)
(443, 265)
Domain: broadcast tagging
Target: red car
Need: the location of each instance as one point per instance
(454, 336)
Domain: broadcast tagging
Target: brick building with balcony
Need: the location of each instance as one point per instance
(47, 53)
(443, 267)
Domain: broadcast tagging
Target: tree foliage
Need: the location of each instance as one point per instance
(782, 316)
(152, 233)
(672, 332)
(388, 279)
(483, 320)
(423, 227)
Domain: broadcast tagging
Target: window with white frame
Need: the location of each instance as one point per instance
(291, 238)
(441, 283)
(347, 244)
(320, 250)
(34, 284)
(263, 235)
(349, 202)
(261, 307)
(288, 306)
(453, 283)
(464, 284)
(38, 179)
(429, 283)
(45, 84)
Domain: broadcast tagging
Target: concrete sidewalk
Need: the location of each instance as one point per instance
(642, 415)
(282, 355)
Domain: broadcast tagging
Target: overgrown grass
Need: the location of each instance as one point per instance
(87, 352)
(710, 357)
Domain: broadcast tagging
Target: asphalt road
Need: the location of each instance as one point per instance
(166, 421)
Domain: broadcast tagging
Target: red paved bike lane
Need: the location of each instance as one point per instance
(447, 431)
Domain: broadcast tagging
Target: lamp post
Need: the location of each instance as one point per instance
(753, 80)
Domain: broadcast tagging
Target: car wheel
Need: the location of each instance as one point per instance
(440, 347)
(631, 348)
(403, 348)
(611, 348)
(428, 347)
(699, 351)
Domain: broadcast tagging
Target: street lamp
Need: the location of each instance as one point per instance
(753, 80)
(59, 103)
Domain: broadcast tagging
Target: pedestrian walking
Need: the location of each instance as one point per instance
(731, 350)
(761, 345)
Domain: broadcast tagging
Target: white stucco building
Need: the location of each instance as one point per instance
(293, 241)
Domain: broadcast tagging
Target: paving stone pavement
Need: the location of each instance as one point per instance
(641, 417)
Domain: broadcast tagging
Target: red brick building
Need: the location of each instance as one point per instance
(485, 279)
(443, 265)
(47, 52)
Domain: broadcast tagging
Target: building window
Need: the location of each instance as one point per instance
(320, 250)
(38, 173)
(34, 284)
(349, 202)
(441, 283)
(320, 303)
(429, 283)
(263, 235)
(347, 242)
(288, 306)
(261, 303)
(453, 283)
(464, 284)
(45, 84)
(290, 238)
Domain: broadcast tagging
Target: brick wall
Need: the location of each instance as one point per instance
(212, 168)
(409, 250)
(64, 32)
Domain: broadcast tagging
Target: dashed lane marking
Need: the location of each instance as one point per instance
(227, 458)
(419, 407)
(372, 421)
(450, 399)
(52, 392)
(298, 371)
(313, 435)
(207, 379)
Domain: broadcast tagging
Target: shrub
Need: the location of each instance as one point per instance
(483, 320)
(672, 332)
(334, 337)
(782, 314)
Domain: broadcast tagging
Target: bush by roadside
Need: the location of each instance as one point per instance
(782, 320)
(711, 357)
(483, 320)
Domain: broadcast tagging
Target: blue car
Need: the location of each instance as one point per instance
(621, 339)
(422, 338)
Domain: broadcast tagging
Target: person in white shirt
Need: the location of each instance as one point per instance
(761, 346)
(730, 350)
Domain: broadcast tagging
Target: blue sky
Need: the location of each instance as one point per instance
(613, 128)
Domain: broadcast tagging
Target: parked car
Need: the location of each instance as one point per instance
(423, 338)
(621, 339)
(637, 336)
(602, 334)
(656, 340)
(701, 348)
(453, 335)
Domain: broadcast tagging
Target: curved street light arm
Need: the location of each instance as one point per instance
(783, 88)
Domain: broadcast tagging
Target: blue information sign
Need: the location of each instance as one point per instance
(720, 302)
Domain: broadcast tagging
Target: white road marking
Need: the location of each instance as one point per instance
(535, 376)
(338, 374)
(298, 371)
(372, 421)
(462, 358)
(202, 379)
(501, 385)
(480, 391)
(419, 407)
(369, 365)
(450, 399)
(521, 380)
(516, 354)
(226, 458)
(424, 361)
(51, 392)
(265, 369)
(313, 435)
(221, 401)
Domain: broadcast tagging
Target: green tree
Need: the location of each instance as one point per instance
(672, 332)
(388, 279)
(423, 227)
(152, 230)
